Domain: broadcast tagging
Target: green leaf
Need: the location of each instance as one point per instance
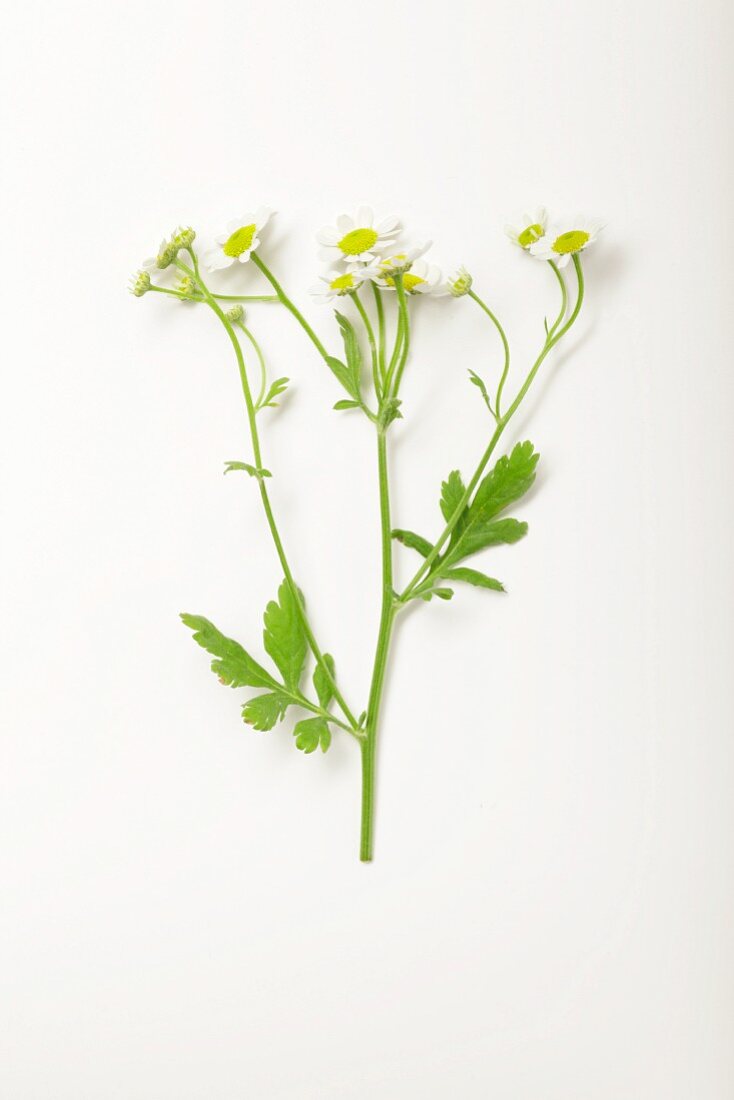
(234, 666)
(351, 348)
(415, 542)
(442, 593)
(346, 405)
(280, 385)
(452, 491)
(479, 383)
(473, 576)
(510, 479)
(253, 471)
(263, 711)
(321, 683)
(310, 733)
(343, 376)
(284, 637)
(479, 535)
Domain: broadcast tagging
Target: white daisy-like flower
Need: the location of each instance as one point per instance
(357, 240)
(423, 278)
(529, 228)
(403, 259)
(335, 284)
(560, 244)
(239, 240)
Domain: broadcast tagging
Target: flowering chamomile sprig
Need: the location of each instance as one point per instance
(378, 277)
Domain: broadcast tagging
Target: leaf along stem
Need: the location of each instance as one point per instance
(552, 339)
(256, 450)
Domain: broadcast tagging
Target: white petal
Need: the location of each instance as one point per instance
(328, 235)
(215, 260)
(388, 225)
(344, 224)
(244, 256)
(365, 217)
(330, 255)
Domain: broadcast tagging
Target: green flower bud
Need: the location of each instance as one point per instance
(461, 283)
(140, 284)
(186, 286)
(235, 315)
(183, 238)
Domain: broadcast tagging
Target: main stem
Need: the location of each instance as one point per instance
(387, 619)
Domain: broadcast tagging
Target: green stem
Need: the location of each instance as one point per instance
(373, 346)
(505, 345)
(289, 305)
(403, 306)
(261, 361)
(399, 335)
(387, 618)
(380, 329)
(551, 341)
(268, 509)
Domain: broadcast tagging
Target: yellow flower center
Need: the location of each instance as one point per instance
(530, 235)
(410, 282)
(342, 282)
(357, 241)
(573, 241)
(240, 241)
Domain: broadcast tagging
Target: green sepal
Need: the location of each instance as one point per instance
(253, 471)
(310, 733)
(262, 712)
(234, 666)
(441, 593)
(284, 637)
(390, 411)
(479, 383)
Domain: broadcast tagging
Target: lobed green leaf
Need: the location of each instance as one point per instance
(234, 665)
(310, 733)
(284, 637)
(262, 712)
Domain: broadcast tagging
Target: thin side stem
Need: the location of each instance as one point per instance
(379, 306)
(261, 361)
(256, 450)
(502, 423)
(373, 346)
(505, 345)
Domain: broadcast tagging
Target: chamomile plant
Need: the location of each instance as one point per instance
(375, 278)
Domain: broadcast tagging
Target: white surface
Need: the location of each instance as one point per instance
(549, 915)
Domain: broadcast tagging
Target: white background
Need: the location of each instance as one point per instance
(549, 914)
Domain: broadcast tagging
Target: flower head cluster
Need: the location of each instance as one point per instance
(559, 242)
(360, 249)
(140, 284)
(169, 249)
